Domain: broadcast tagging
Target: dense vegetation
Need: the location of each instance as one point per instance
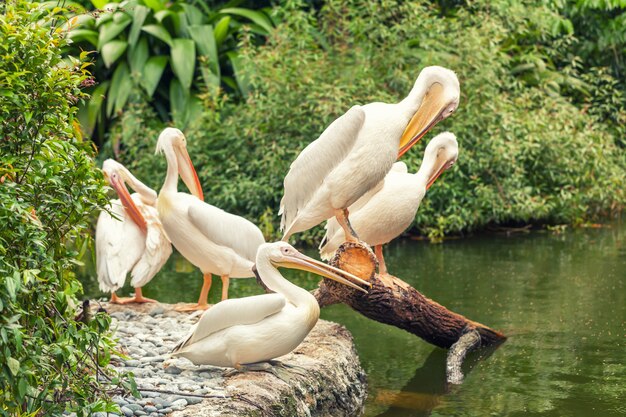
(534, 145)
(49, 191)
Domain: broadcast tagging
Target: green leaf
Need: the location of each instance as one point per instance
(184, 60)
(159, 32)
(221, 30)
(151, 74)
(159, 16)
(193, 14)
(99, 4)
(80, 35)
(14, 365)
(179, 96)
(139, 55)
(203, 37)
(112, 51)
(235, 61)
(155, 5)
(255, 16)
(141, 12)
(121, 85)
(110, 30)
(89, 114)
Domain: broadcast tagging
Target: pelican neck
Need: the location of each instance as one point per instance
(273, 279)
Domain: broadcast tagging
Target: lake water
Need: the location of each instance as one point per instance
(561, 299)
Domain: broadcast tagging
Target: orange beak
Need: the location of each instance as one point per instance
(427, 115)
(128, 203)
(188, 173)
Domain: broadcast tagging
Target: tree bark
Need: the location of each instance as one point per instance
(392, 301)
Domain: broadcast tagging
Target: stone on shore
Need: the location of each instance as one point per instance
(325, 378)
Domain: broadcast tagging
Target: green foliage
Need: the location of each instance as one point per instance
(49, 192)
(527, 153)
(158, 49)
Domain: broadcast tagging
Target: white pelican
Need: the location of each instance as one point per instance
(215, 241)
(358, 149)
(136, 242)
(383, 215)
(247, 333)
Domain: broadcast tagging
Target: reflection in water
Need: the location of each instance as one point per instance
(561, 299)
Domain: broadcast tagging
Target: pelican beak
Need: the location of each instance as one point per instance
(440, 171)
(188, 173)
(305, 263)
(128, 203)
(427, 115)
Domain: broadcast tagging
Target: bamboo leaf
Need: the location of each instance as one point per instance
(183, 54)
(121, 84)
(255, 16)
(88, 115)
(139, 55)
(112, 51)
(179, 97)
(159, 32)
(242, 83)
(141, 12)
(151, 74)
(221, 30)
(203, 35)
(111, 29)
(155, 5)
(80, 35)
(14, 365)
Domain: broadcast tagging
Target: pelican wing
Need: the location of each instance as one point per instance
(119, 244)
(226, 229)
(307, 173)
(233, 312)
(157, 252)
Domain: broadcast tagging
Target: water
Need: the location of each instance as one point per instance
(561, 299)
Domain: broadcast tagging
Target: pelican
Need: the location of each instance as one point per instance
(382, 216)
(136, 242)
(358, 149)
(215, 241)
(247, 333)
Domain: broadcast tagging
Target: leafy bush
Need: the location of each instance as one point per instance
(49, 190)
(158, 48)
(527, 153)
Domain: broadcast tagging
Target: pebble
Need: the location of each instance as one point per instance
(147, 340)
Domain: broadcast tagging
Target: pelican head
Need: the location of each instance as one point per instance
(282, 254)
(117, 175)
(437, 91)
(444, 149)
(172, 142)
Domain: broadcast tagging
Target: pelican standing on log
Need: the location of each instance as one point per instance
(134, 241)
(358, 149)
(247, 333)
(382, 216)
(215, 241)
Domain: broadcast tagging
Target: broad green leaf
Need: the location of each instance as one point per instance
(140, 14)
(121, 85)
(255, 16)
(110, 30)
(99, 4)
(79, 35)
(160, 15)
(235, 61)
(88, 114)
(14, 365)
(221, 30)
(183, 54)
(139, 55)
(155, 5)
(112, 51)
(194, 15)
(179, 96)
(151, 74)
(159, 32)
(203, 36)
(121, 17)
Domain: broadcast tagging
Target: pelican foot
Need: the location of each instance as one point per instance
(138, 300)
(280, 370)
(186, 307)
(120, 300)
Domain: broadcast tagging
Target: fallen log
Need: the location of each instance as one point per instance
(392, 301)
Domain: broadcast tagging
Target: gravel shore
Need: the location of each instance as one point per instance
(328, 380)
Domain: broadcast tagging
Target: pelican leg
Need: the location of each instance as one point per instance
(118, 300)
(344, 222)
(382, 268)
(202, 303)
(225, 282)
(139, 298)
